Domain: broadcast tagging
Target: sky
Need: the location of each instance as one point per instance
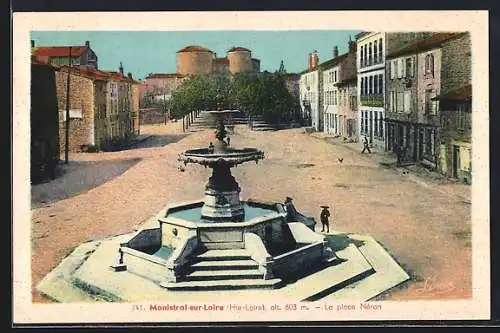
(144, 52)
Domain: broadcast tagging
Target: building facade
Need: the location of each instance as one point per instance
(372, 48)
(309, 88)
(45, 152)
(81, 55)
(338, 92)
(416, 77)
(101, 107)
(371, 68)
(455, 107)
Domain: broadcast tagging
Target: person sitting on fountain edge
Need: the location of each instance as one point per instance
(211, 148)
(291, 212)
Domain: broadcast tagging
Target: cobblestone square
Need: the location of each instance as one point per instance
(425, 224)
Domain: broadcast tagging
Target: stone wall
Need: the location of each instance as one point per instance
(194, 63)
(81, 131)
(456, 62)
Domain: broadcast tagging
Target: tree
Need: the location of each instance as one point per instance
(262, 95)
(195, 93)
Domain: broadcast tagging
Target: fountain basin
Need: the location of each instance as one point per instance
(276, 247)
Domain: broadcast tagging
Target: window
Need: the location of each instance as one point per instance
(429, 142)
(375, 57)
(400, 102)
(396, 69)
(461, 117)
(366, 53)
(407, 101)
(362, 85)
(370, 85)
(409, 67)
(430, 106)
(399, 68)
(353, 102)
(381, 126)
(429, 64)
(380, 84)
(370, 54)
(361, 60)
(375, 123)
(380, 50)
(392, 101)
(470, 67)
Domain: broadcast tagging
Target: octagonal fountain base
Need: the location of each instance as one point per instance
(155, 264)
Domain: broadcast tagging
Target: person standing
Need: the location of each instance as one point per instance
(324, 217)
(291, 212)
(366, 145)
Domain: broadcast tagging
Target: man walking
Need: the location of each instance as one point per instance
(366, 145)
(325, 214)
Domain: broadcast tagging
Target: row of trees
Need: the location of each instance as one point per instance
(254, 94)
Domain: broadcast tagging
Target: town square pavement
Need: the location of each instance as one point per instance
(426, 227)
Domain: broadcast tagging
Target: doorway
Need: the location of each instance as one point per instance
(456, 156)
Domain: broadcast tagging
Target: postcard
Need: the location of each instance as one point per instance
(201, 167)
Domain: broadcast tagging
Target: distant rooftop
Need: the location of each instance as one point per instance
(422, 45)
(194, 48)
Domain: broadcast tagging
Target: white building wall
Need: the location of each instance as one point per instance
(331, 100)
(371, 51)
(309, 90)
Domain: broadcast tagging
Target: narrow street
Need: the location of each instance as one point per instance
(425, 226)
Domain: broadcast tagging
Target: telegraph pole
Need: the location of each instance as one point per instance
(66, 148)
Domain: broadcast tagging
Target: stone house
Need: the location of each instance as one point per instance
(44, 123)
(455, 147)
(101, 107)
(415, 73)
(338, 92)
(455, 107)
(81, 55)
(157, 88)
(87, 98)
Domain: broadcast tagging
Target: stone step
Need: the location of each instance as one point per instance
(220, 255)
(223, 284)
(224, 275)
(214, 265)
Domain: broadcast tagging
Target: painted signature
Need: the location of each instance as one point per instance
(428, 287)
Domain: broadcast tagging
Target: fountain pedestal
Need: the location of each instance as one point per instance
(222, 197)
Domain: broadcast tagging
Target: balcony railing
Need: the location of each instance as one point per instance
(376, 100)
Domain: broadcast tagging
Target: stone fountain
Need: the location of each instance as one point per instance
(222, 241)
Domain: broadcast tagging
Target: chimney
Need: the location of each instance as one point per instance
(309, 61)
(130, 75)
(315, 59)
(87, 43)
(32, 43)
(335, 51)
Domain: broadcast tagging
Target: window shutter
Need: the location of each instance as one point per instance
(392, 70)
(407, 101)
(403, 67)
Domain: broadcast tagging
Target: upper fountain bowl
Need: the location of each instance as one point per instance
(229, 156)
